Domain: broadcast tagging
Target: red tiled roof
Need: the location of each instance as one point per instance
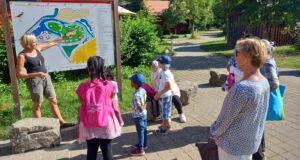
(156, 7)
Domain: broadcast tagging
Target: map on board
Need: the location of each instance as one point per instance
(91, 24)
(76, 48)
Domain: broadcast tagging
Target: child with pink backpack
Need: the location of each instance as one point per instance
(97, 122)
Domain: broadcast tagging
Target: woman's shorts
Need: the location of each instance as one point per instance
(166, 107)
(39, 87)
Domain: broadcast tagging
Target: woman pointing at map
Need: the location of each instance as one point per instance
(38, 80)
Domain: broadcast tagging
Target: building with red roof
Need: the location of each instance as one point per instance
(156, 8)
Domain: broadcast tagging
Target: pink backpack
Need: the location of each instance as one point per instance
(96, 103)
(149, 90)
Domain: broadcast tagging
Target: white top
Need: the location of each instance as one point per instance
(174, 87)
(116, 91)
(154, 79)
(165, 76)
(238, 74)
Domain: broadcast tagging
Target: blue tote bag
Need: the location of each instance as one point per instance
(276, 110)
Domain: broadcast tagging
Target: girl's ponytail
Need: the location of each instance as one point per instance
(92, 64)
(100, 67)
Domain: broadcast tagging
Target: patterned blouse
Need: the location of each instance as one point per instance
(239, 127)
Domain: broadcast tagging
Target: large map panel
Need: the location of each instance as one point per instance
(91, 23)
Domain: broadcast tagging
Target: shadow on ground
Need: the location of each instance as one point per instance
(189, 49)
(175, 139)
(122, 145)
(205, 85)
(184, 44)
(295, 73)
(79, 157)
(198, 62)
(213, 34)
(5, 149)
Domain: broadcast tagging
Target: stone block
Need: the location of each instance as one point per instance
(152, 110)
(187, 90)
(33, 133)
(217, 79)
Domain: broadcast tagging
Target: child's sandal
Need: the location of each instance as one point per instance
(162, 131)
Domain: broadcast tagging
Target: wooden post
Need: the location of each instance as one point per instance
(117, 46)
(11, 61)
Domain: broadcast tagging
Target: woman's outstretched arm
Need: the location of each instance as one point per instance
(45, 46)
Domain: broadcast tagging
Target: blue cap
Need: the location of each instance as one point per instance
(138, 79)
(164, 59)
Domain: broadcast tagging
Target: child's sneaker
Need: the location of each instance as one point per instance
(145, 146)
(137, 152)
(162, 131)
(182, 118)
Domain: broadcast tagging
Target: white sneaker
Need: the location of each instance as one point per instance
(182, 118)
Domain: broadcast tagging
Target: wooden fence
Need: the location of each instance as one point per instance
(267, 31)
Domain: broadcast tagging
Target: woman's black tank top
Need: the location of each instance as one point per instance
(35, 64)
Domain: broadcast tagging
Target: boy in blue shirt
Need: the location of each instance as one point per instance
(139, 113)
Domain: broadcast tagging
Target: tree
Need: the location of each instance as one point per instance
(205, 19)
(199, 13)
(139, 40)
(253, 13)
(175, 14)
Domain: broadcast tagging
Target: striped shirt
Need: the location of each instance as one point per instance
(239, 127)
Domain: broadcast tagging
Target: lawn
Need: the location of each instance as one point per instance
(286, 56)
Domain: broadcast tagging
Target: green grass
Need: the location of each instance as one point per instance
(174, 36)
(65, 84)
(218, 48)
(163, 46)
(287, 56)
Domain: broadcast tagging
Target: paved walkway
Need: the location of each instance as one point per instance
(193, 64)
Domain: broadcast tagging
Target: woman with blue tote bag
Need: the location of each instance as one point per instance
(275, 109)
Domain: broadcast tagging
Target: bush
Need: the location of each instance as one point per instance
(129, 71)
(4, 72)
(139, 40)
(7, 117)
